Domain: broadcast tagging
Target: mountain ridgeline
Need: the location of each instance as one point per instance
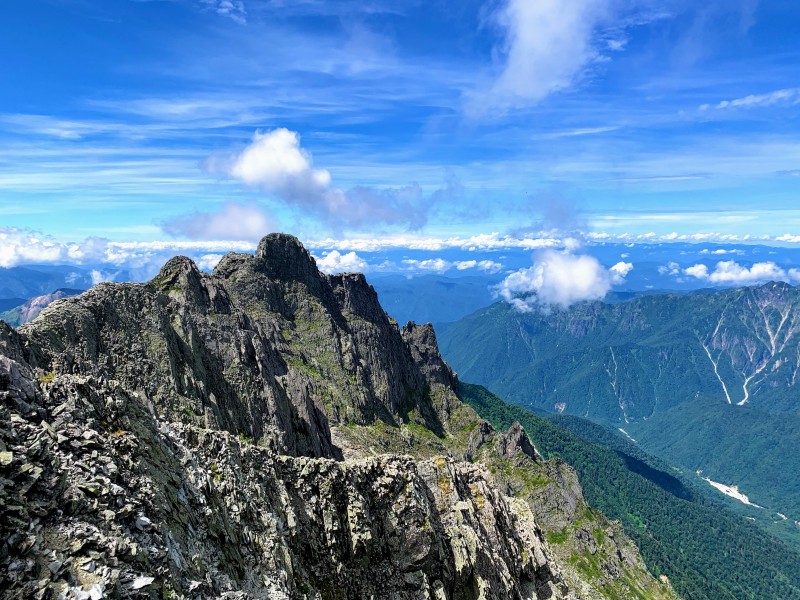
(266, 431)
(627, 361)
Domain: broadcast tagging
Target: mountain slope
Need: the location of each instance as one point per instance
(624, 362)
(743, 447)
(267, 431)
(30, 309)
(704, 552)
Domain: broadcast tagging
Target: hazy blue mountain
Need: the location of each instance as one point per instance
(34, 280)
(433, 298)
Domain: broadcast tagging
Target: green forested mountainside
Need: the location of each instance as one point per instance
(753, 449)
(777, 482)
(626, 361)
(706, 552)
(636, 459)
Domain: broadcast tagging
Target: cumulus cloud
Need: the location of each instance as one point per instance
(698, 271)
(729, 272)
(99, 276)
(19, 246)
(721, 251)
(671, 268)
(489, 266)
(336, 262)
(275, 162)
(484, 241)
(233, 221)
(620, 271)
(560, 279)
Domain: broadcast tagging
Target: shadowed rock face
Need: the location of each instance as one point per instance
(173, 439)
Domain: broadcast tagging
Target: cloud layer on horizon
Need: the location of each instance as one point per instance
(731, 273)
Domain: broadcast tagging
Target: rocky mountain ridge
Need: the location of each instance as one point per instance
(265, 432)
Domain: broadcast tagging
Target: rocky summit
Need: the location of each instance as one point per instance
(266, 431)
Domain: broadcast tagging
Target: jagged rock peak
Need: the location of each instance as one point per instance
(177, 271)
(421, 339)
(283, 256)
(514, 441)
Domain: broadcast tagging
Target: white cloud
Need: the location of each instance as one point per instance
(20, 246)
(620, 271)
(437, 265)
(233, 221)
(560, 279)
(671, 268)
(785, 96)
(101, 276)
(336, 262)
(698, 271)
(484, 241)
(721, 251)
(547, 47)
(207, 262)
(440, 265)
(488, 266)
(275, 162)
(729, 272)
(233, 9)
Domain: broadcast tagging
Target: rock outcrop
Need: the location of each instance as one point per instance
(204, 436)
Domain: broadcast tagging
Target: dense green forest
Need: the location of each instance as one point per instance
(733, 445)
(706, 552)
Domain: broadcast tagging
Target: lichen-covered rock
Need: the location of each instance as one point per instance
(262, 432)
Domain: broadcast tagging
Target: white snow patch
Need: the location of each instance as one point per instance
(732, 491)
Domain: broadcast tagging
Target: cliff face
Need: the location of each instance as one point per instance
(207, 436)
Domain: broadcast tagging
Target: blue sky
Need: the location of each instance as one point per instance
(156, 125)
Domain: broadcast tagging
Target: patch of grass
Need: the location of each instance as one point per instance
(47, 377)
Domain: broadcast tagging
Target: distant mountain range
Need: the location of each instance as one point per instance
(625, 362)
(22, 283)
(706, 381)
